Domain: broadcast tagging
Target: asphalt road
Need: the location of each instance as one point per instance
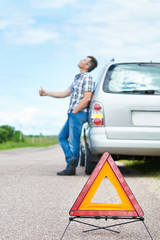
(34, 201)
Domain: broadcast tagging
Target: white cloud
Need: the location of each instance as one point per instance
(22, 116)
(48, 4)
(20, 27)
(31, 36)
(3, 24)
(15, 17)
(103, 25)
(141, 8)
(118, 29)
(41, 119)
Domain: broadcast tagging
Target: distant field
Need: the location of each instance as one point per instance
(30, 141)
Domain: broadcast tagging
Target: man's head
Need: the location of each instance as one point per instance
(88, 64)
(92, 63)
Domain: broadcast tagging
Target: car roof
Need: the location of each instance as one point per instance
(112, 62)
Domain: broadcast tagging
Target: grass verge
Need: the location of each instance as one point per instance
(37, 141)
(150, 168)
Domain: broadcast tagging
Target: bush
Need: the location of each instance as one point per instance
(3, 135)
(8, 133)
(18, 136)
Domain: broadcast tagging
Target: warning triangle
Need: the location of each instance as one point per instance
(128, 207)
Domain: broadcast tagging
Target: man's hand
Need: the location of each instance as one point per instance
(63, 94)
(84, 101)
(42, 92)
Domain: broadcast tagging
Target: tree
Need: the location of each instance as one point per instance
(18, 136)
(3, 135)
(9, 131)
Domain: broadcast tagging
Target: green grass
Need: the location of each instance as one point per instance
(150, 168)
(37, 141)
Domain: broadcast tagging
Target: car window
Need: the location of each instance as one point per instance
(133, 78)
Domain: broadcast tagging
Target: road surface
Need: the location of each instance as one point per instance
(34, 201)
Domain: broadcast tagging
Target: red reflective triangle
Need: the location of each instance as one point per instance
(128, 207)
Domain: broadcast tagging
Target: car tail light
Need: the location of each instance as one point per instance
(97, 117)
(97, 107)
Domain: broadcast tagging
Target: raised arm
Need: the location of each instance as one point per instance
(63, 94)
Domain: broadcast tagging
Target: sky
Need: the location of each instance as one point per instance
(42, 42)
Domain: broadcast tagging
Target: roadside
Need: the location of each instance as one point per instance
(30, 141)
(137, 168)
(126, 167)
(149, 167)
(152, 183)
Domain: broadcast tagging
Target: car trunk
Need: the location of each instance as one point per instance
(131, 116)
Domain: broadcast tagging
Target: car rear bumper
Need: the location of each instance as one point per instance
(99, 143)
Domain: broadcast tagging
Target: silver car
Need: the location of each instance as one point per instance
(124, 116)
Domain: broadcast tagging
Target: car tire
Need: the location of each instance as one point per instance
(81, 156)
(89, 164)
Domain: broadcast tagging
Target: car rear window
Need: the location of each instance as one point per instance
(135, 78)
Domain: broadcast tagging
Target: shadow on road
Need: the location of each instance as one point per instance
(129, 172)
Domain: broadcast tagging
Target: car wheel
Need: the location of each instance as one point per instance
(89, 164)
(81, 156)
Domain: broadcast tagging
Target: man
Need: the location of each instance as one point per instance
(80, 93)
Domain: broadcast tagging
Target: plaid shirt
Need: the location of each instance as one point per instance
(82, 83)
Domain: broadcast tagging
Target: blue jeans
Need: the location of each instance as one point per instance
(69, 136)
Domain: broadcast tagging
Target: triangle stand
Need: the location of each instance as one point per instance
(128, 209)
(107, 228)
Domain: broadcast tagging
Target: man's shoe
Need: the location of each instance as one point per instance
(67, 172)
(72, 164)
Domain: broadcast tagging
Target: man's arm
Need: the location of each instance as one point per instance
(63, 94)
(84, 101)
